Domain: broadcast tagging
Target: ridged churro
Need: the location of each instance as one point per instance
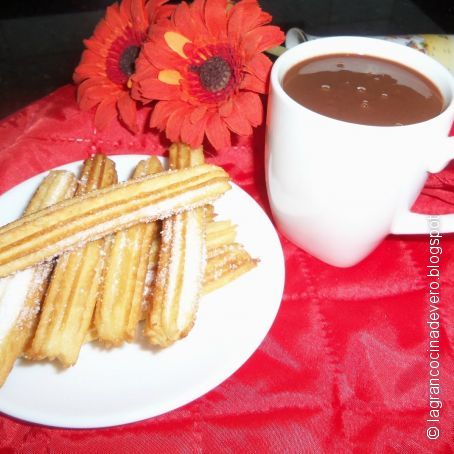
(117, 263)
(66, 225)
(119, 307)
(68, 307)
(21, 293)
(181, 265)
(220, 233)
(225, 264)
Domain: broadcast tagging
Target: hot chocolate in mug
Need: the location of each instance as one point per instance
(337, 189)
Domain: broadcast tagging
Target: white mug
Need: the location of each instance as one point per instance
(337, 189)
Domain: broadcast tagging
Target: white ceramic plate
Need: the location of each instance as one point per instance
(131, 383)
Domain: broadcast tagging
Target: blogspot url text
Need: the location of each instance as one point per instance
(433, 323)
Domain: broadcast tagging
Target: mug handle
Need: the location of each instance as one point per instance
(409, 223)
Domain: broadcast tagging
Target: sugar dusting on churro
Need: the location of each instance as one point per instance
(113, 256)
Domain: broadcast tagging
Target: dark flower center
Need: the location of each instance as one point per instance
(128, 60)
(214, 74)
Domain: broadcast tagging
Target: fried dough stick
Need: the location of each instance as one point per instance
(70, 300)
(181, 264)
(66, 225)
(119, 306)
(226, 263)
(21, 293)
(220, 233)
(223, 264)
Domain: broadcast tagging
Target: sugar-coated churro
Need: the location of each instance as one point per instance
(225, 264)
(220, 233)
(146, 249)
(68, 307)
(119, 306)
(181, 264)
(41, 236)
(21, 293)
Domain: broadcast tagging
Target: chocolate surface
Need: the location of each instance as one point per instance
(363, 89)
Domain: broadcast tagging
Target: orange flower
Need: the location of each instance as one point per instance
(109, 60)
(205, 68)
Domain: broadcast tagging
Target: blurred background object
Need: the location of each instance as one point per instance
(41, 42)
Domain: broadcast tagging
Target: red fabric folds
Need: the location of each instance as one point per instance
(345, 367)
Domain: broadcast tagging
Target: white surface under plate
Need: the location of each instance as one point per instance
(134, 382)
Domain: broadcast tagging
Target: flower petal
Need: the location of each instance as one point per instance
(197, 114)
(90, 57)
(170, 76)
(174, 123)
(193, 133)
(176, 42)
(183, 20)
(125, 8)
(96, 47)
(113, 19)
(260, 66)
(262, 38)
(226, 108)
(238, 123)
(84, 71)
(105, 113)
(160, 56)
(101, 92)
(86, 103)
(197, 12)
(215, 18)
(217, 132)
(252, 83)
(153, 89)
(251, 107)
(128, 111)
(161, 113)
(85, 85)
(138, 14)
(244, 17)
(158, 10)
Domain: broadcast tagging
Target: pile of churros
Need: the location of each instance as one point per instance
(91, 258)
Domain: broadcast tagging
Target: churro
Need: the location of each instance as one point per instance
(119, 306)
(225, 264)
(21, 293)
(67, 225)
(68, 307)
(181, 264)
(116, 262)
(220, 233)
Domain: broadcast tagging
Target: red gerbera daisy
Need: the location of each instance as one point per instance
(205, 67)
(109, 60)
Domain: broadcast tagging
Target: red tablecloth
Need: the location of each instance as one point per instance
(345, 367)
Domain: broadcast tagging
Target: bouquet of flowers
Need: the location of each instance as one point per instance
(199, 66)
